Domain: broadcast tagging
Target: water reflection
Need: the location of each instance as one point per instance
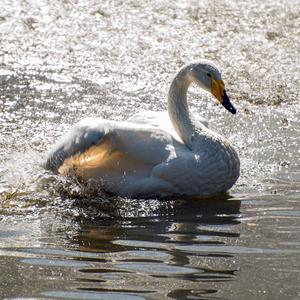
(168, 221)
(136, 247)
(143, 239)
(151, 249)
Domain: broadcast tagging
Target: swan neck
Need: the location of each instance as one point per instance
(178, 108)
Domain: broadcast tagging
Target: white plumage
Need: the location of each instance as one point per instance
(153, 154)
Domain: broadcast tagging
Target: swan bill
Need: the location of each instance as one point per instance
(218, 90)
(227, 104)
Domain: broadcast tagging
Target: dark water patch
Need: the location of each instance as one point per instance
(155, 268)
(102, 270)
(90, 280)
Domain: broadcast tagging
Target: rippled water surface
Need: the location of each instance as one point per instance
(63, 60)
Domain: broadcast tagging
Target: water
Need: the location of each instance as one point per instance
(63, 60)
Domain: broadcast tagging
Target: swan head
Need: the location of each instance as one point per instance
(206, 75)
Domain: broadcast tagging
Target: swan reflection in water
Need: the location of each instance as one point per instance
(107, 219)
(144, 238)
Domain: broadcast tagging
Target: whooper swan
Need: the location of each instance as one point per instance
(153, 154)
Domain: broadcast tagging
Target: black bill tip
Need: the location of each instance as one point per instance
(227, 104)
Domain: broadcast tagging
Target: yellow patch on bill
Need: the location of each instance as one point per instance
(217, 89)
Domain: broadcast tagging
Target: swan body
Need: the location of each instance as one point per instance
(154, 153)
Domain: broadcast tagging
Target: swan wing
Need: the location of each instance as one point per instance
(82, 137)
(97, 147)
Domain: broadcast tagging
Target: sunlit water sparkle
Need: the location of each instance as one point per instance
(62, 61)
